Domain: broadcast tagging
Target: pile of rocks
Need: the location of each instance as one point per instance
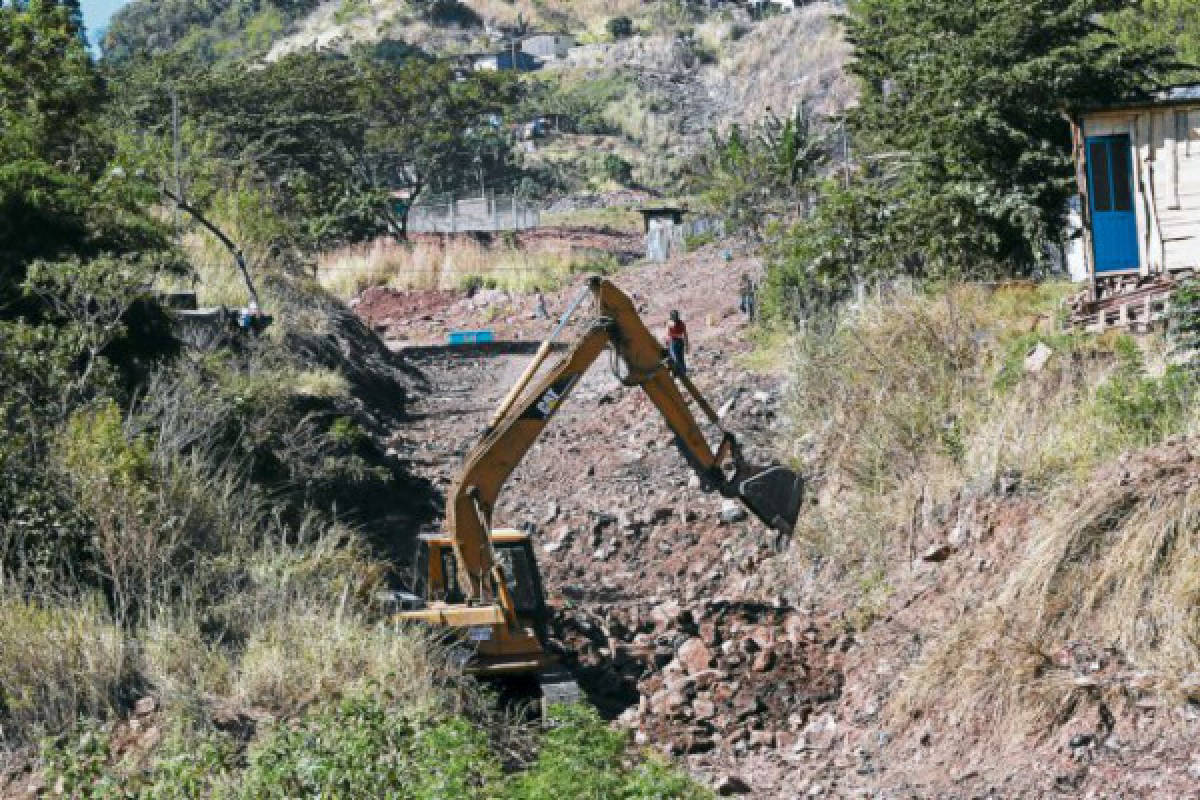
(715, 676)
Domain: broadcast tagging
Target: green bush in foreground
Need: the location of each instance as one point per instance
(363, 747)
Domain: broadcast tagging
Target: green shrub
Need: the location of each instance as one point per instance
(583, 758)
(361, 748)
(619, 27)
(616, 169)
(1142, 409)
(367, 746)
(696, 241)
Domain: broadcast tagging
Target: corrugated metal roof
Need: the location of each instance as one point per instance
(1177, 93)
(1171, 95)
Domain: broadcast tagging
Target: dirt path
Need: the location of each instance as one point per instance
(668, 614)
(674, 620)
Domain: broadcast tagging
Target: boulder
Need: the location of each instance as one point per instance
(762, 739)
(763, 661)
(938, 553)
(732, 511)
(1036, 359)
(695, 656)
(821, 731)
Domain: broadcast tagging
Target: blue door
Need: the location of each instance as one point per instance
(1114, 222)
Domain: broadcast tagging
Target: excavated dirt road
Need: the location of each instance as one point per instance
(666, 611)
(674, 616)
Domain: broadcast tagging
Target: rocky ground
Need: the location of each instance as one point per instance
(671, 605)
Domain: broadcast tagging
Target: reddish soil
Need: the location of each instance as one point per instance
(675, 622)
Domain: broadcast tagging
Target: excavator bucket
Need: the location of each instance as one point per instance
(773, 494)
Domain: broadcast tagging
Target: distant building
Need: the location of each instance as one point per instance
(786, 5)
(664, 231)
(1138, 173)
(503, 60)
(548, 45)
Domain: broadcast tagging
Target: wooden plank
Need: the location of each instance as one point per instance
(1180, 226)
(1182, 254)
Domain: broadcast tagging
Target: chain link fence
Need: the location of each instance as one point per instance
(486, 212)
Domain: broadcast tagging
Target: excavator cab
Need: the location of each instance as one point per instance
(492, 647)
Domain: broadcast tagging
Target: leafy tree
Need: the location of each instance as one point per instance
(961, 119)
(57, 196)
(215, 30)
(323, 139)
(1171, 24)
(767, 172)
(619, 27)
(433, 129)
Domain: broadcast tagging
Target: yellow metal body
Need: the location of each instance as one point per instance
(480, 593)
(509, 649)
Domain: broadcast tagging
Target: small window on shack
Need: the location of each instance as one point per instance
(1122, 191)
(1101, 188)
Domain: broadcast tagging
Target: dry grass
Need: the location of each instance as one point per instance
(307, 656)
(326, 383)
(58, 661)
(813, 70)
(296, 629)
(621, 220)
(452, 263)
(1114, 569)
(916, 402)
(916, 399)
(573, 14)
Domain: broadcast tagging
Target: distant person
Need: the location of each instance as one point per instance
(540, 312)
(746, 296)
(677, 343)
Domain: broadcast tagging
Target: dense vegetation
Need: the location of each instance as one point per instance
(211, 29)
(364, 746)
(196, 524)
(956, 161)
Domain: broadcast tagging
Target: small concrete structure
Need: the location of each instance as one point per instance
(503, 60)
(664, 231)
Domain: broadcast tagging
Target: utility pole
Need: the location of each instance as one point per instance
(845, 154)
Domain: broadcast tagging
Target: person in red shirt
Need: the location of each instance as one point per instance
(677, 342)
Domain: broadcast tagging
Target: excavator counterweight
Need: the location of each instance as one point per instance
(485, 583)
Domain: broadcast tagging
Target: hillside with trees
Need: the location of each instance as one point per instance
(991, 589)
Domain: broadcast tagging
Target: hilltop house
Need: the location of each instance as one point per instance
(1138, 172)
(503, 60)
(548, 46)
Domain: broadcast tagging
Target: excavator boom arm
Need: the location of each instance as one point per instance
(528, 408)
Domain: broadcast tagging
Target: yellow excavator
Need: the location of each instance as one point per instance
(485, 584)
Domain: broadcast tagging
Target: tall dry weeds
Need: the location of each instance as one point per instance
(1113, 572)
(914, 400)
(452, 263)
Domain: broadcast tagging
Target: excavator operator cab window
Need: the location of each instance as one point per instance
(522, 576)
(453, 593)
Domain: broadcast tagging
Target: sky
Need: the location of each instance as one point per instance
(96, 14)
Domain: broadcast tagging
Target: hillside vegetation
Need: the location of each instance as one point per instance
(1000, 559)
(193, 538)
